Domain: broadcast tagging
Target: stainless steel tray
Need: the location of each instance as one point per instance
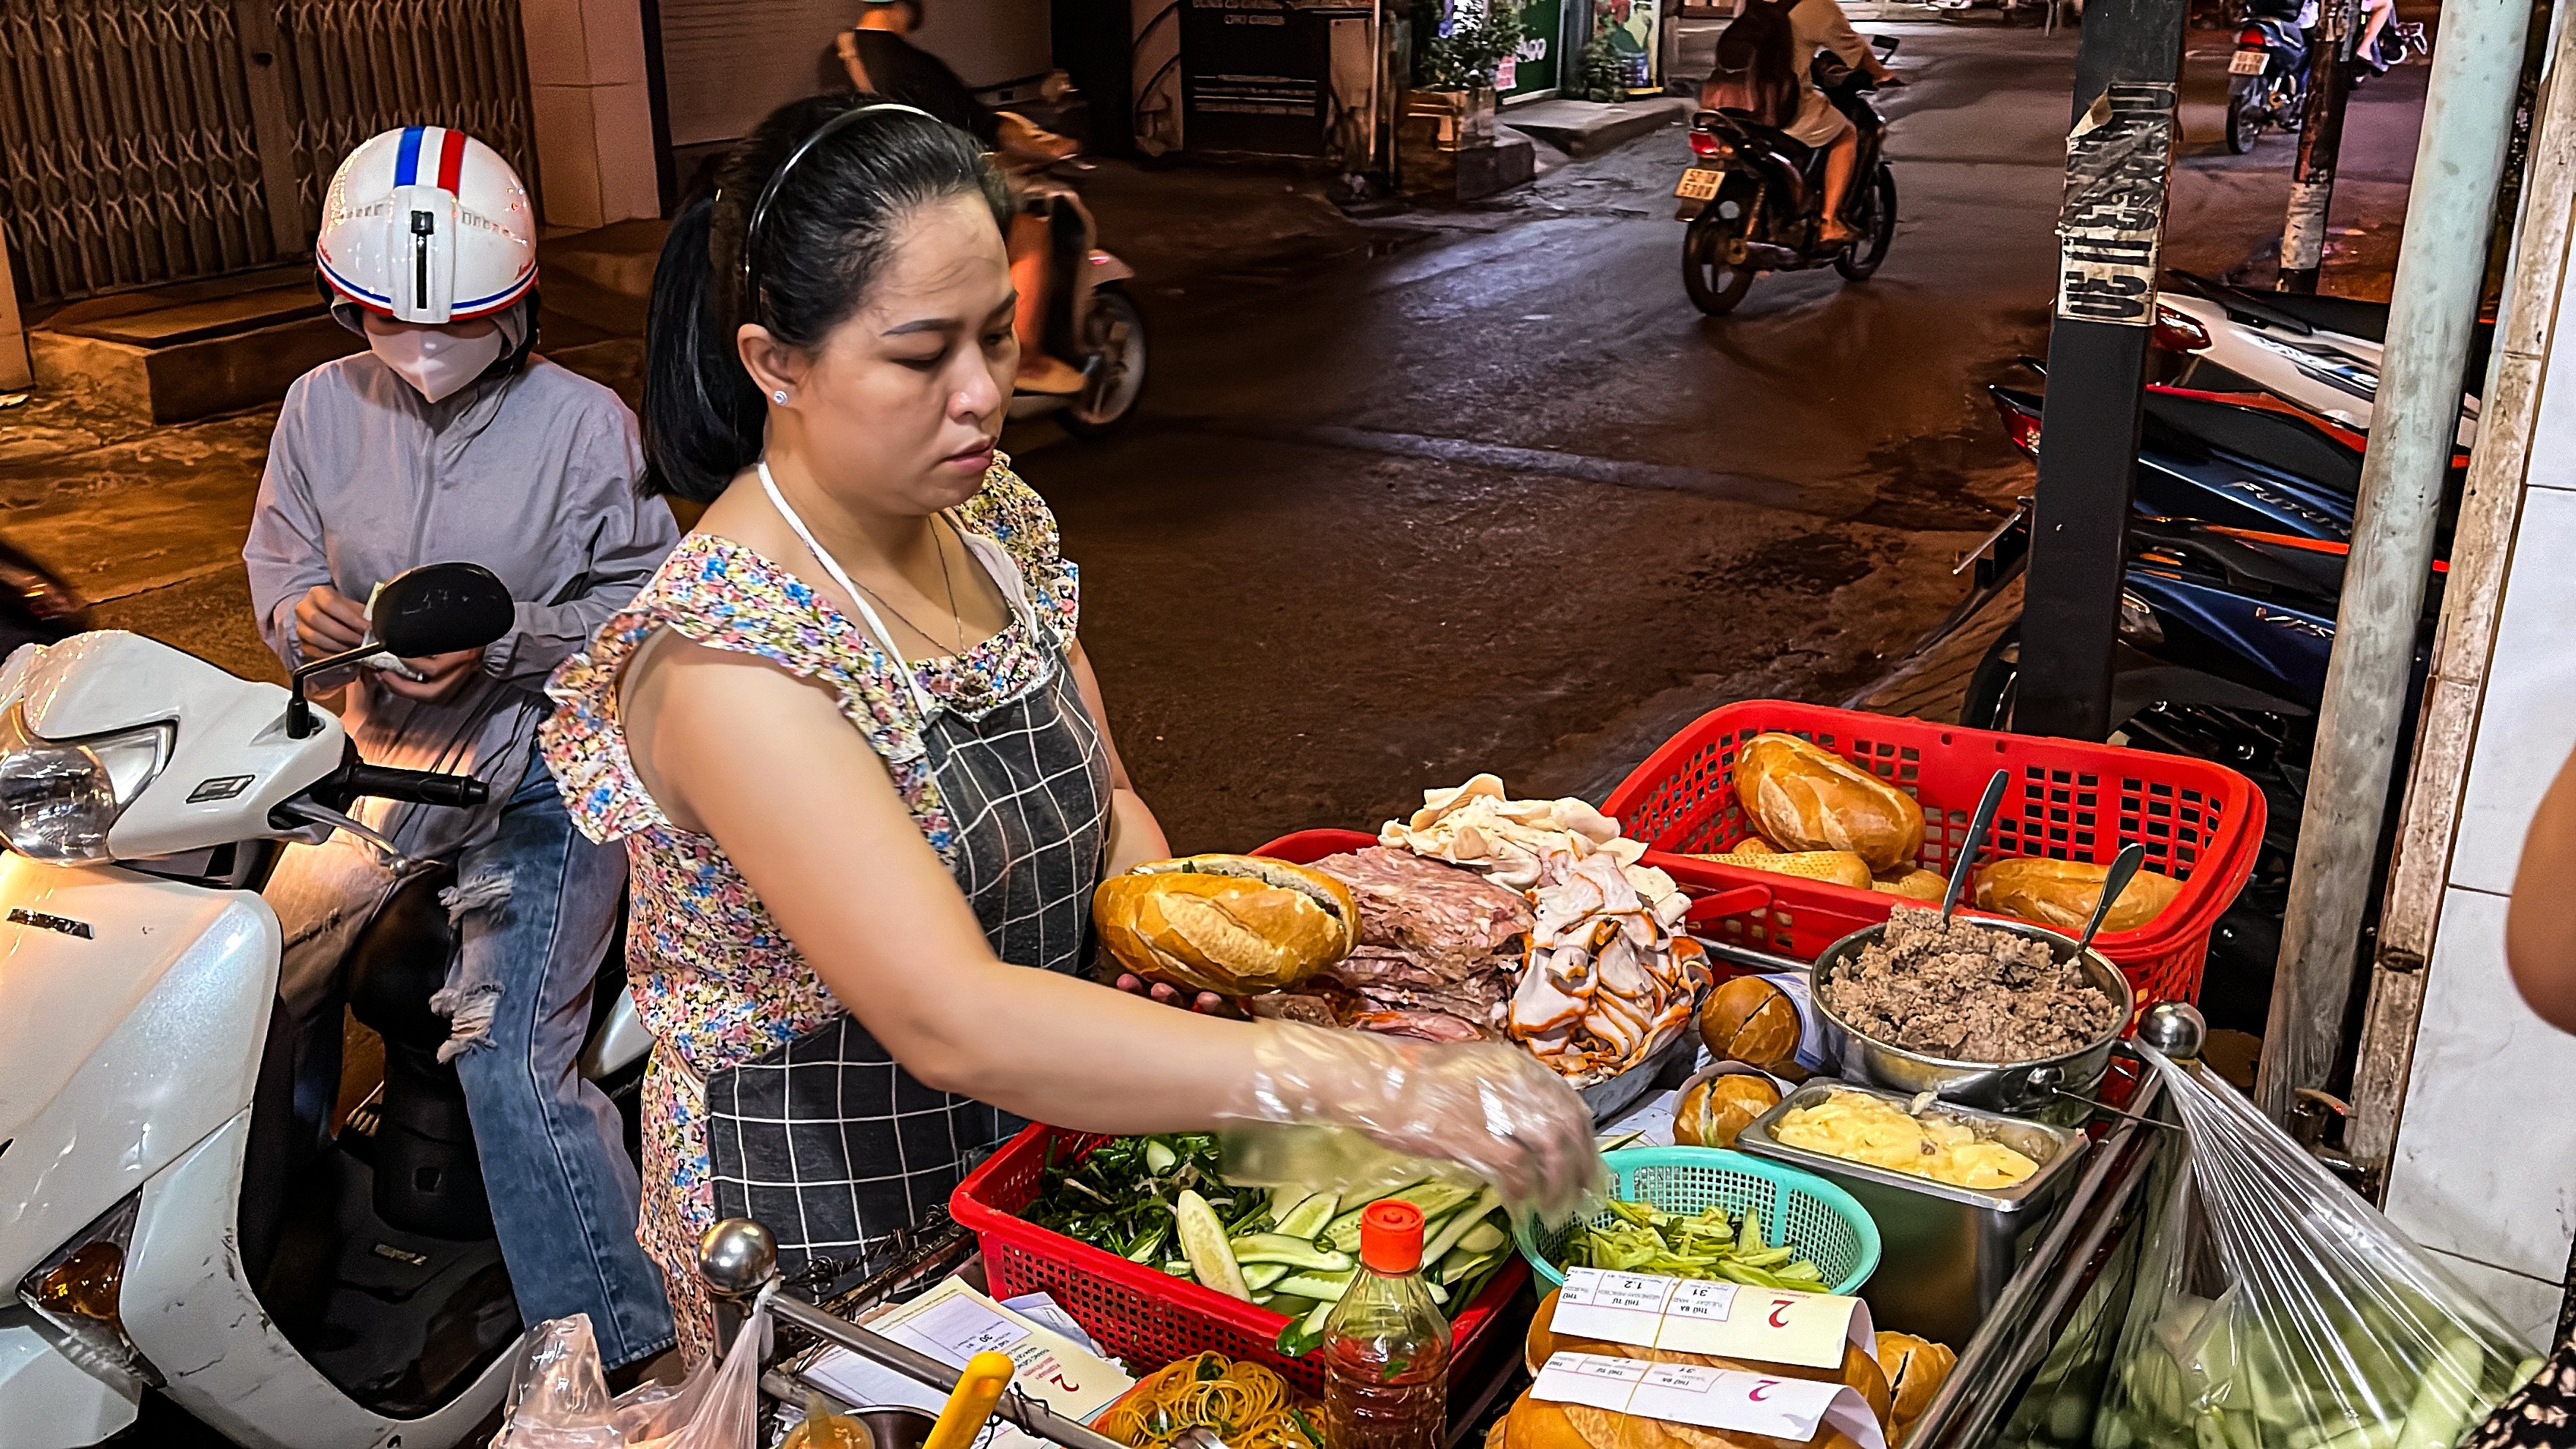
(1666, 1066)
(1945, 1253)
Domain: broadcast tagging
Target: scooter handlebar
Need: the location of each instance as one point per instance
(421, 787)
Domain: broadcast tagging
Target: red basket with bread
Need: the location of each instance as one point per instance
(1843, 815)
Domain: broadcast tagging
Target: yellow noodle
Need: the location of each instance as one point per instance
(1245, 1404)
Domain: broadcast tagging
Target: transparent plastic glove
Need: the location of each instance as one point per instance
(1491, 1109)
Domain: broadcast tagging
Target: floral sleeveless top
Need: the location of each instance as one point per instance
(716, 982)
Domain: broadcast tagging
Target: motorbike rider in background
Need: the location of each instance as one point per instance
(879, 58)
(1767, 71)
(448, 439)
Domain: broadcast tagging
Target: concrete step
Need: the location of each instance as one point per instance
(616, 258)
(191, 350)
(1588, 128)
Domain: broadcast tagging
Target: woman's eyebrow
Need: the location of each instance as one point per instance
(925, 324)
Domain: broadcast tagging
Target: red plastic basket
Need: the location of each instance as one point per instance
(1139, 1313)
(2201, 823)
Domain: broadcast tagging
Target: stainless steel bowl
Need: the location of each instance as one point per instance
(1998, 1086)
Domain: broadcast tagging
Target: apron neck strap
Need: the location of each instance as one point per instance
(876, 626)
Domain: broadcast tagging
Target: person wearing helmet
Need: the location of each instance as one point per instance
(879, 58)
(448, 438)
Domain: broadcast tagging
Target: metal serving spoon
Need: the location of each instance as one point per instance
(1966, 860)
(2123, 870)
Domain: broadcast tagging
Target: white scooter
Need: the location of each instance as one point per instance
(2320, 352)
(175, 1211)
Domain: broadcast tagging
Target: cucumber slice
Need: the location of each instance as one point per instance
(1259, 1276)
(1434, 1198)
(1460, 1223)
(1308, 1218)
(1283, 1201)
(1483, 1238)
(1296, 1252)
(1203, 1240)
(1159, 1157)
(1323, 1287)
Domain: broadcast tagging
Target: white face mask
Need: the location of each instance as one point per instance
(437, 364)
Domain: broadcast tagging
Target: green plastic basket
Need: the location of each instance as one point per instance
(1827, 1225)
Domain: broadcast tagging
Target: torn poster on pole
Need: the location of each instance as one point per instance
(2117, 159)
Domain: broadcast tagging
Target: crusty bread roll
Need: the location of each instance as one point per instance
(1915, 1368)
(1717, 1107)
(1834, 867)
(1539, 1424)
(1805, 798)
(1748, 1019)
(1858, 1369)
(2061, 893)
(1914, 885)
(1237, 925)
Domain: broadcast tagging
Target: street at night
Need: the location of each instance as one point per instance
(1641, 789)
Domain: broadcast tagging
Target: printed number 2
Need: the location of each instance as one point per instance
(1779, 1307)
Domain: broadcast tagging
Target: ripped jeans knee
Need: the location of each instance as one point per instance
(472, 995)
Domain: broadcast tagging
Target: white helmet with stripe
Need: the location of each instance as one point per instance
(427, 224)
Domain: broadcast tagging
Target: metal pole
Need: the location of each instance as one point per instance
(2119, 153)
(2440, 263)
(2303, 231)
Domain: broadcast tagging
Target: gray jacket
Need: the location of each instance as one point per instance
(531, 475)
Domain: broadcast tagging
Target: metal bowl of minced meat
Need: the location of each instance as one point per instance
(1982, 1012)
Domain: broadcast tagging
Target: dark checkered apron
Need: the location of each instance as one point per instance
(827, 1140)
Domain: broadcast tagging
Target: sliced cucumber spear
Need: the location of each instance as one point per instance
(1434, 1198)
(1259, 1276)
(1159, 1157)
(1323, 1287)
(1203, 1240)
(1308, 1218)
(1459, 1224)
(1296, 1252)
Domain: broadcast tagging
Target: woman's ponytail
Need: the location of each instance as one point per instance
(702, 415)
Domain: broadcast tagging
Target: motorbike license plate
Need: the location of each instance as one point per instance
(2248, 62)
(1699, 184)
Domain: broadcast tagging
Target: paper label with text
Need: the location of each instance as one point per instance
(952, 1323)
(1712, 1398)
(1727, 1320)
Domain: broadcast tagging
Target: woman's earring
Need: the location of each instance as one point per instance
(778, 396)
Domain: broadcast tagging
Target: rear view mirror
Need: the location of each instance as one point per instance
(433, 609)
(441, 608)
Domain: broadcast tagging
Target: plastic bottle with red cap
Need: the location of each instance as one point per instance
(1386, 1344)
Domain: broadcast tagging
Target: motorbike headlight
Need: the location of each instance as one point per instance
(2138, 622)
(58, 798)
(76, 1292)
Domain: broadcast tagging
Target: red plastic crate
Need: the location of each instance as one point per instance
(2070, 800)
(1140, 1313)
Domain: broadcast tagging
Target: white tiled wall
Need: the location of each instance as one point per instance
(2485, 1166)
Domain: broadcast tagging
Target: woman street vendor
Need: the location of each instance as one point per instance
(861, 764)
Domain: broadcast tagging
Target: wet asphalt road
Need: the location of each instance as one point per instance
(1451, 490)
(1506, 501)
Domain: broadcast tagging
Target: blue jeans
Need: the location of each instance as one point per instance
(564, 1193)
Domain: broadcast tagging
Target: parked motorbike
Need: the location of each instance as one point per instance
(183, 1217)
(2322, 353)
(1091, 323)
(2226, 627)
(1754, 196)
(2267, 77)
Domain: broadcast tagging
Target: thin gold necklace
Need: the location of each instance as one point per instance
(947, 581)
